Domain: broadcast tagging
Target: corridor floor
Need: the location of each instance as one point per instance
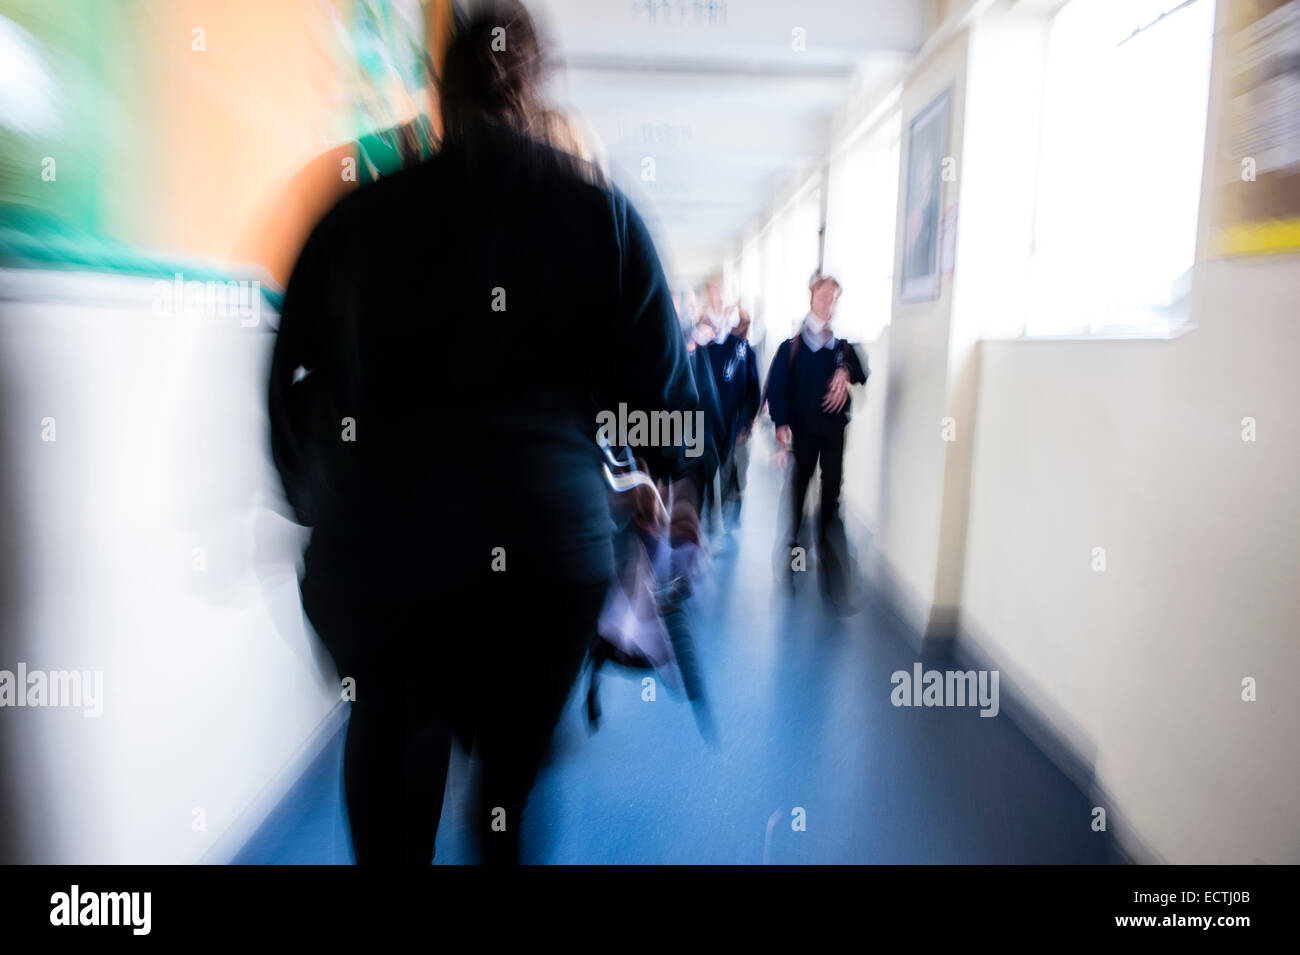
(806, 731)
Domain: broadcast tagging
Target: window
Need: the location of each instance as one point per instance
(1125, 104)
(800, 247)
(774, 322)
(751, 288)
(860, 213)
(789, 257)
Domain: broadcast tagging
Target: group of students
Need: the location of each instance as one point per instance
(720, 336)
(806, 392)
(441, 448)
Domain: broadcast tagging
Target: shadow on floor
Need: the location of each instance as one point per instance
(806, 733)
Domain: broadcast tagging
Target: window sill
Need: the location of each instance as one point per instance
(1111, 335)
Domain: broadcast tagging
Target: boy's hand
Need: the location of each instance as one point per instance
(684, 522)
(647, 510)
(838, 392)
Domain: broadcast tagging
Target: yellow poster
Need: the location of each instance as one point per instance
(1259, 208)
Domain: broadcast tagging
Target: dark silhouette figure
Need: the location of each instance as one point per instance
(433, 403)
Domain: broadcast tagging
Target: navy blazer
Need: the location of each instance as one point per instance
(448, 337)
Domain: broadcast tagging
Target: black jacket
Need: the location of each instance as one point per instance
(796, 387)
(469, 317)
(735, 372)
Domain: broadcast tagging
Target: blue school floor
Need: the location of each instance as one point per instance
(804, 721)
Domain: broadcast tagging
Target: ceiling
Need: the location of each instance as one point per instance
(717, 95)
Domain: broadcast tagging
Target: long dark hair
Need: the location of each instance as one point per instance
(494, 70)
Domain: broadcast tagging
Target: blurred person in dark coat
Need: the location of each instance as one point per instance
(734, 370)
(808, 397)
(735, 363)
(433, 404)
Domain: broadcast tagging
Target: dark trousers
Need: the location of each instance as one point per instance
(733, 477)
(832, 549)
(496, 676)
(713, 504)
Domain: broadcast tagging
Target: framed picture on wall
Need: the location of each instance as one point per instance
(927, 144)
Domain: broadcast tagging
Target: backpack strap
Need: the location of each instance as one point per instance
(789, 373)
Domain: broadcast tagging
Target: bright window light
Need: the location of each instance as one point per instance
(860, 231)
(751, 288)
(788, 252)
(1125, 103)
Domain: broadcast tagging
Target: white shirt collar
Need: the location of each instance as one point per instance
(816, 334)
(723, 322)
